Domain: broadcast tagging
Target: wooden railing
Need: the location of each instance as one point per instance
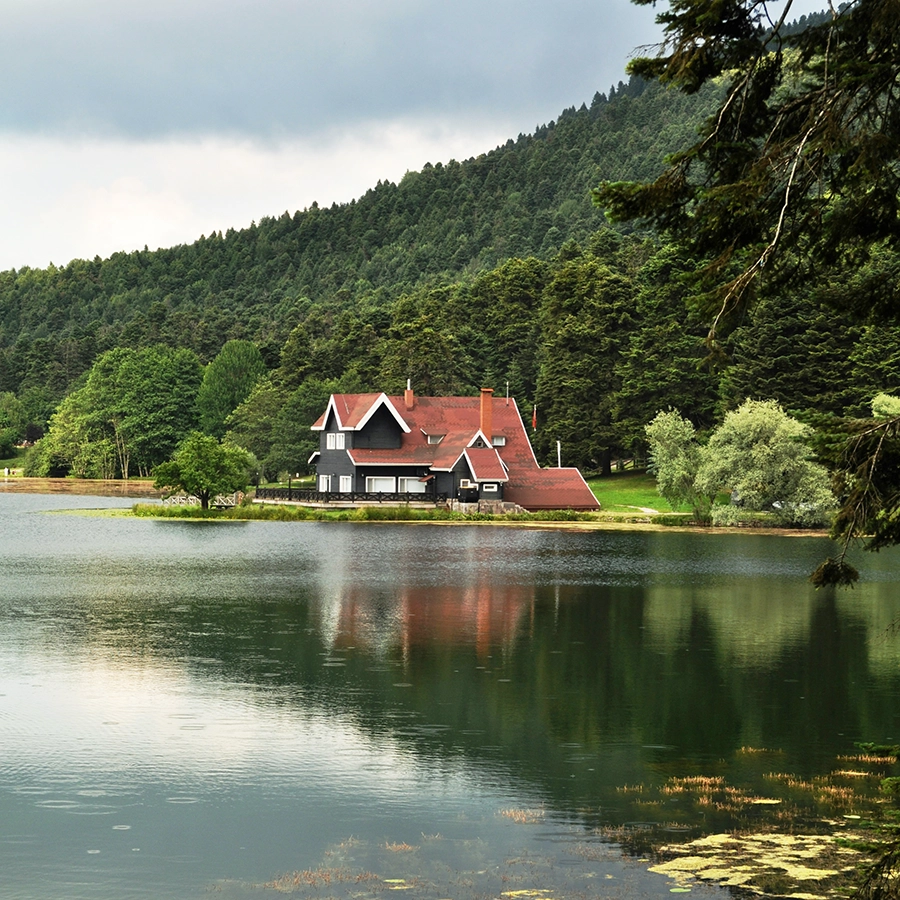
(305, 495)
(220, 501)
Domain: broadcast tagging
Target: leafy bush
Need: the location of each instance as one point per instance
(728, 515)
(387, 513)
(890, 787)
(673, 520)
(758, 451)
(550, 515)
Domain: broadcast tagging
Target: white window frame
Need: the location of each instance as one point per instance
(325, 484)
(490, 487)
(498, 440)
(411, 485)
(335, 440)
(345, 484)
(378, 484)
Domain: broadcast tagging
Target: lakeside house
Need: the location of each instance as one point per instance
(437, 449)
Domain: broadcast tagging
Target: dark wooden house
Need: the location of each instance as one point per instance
(465, 448)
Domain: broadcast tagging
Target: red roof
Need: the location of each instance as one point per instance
(354, 410)
(550, 489)
(457, 422)
(485, 464)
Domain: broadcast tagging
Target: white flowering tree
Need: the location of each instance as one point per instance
(759, 453)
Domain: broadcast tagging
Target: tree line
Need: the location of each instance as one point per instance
(600, 338)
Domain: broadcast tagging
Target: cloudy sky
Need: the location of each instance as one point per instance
(126, 123)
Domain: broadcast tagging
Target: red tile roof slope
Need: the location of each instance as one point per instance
(407, 455)
(485, 464)
(550, 489)
(350, 409)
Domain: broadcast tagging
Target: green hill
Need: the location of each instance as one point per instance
(525, 198)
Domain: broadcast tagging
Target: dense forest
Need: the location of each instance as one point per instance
(496, 271)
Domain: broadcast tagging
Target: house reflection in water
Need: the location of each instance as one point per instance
(484, 615)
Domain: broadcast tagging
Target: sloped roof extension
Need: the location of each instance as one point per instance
(550, 489)
(407, 455)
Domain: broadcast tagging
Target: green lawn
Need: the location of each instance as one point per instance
(628, 492)
(14, 463)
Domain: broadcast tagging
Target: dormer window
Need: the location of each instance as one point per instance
(335, 440)
(435, 438)
(498, 440)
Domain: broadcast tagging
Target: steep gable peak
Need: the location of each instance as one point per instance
(353, 411)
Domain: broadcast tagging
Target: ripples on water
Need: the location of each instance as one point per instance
(194, 705)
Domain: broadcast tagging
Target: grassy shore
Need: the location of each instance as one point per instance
(283, 512)
(629, 492)
(628, 501)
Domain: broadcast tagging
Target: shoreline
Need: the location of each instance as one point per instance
(144, 490)
(88, 487)
(619, 525)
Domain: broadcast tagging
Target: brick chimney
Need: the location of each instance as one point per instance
(409, 398)
(487, 413)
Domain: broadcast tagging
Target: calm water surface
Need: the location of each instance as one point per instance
(187, 707)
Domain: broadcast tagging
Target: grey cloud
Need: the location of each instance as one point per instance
(293, 67)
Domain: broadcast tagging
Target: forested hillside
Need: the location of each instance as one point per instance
(525, 198)
(494, 271)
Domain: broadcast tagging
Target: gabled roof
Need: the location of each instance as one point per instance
(353, 411)
(449, 452)
(485, 464)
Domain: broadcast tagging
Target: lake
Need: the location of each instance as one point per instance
(343, 709)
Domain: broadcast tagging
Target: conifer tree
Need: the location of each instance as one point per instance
(799, 170)
(227, 381)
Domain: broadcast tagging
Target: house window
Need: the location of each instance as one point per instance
(498, 440)
(435, 438)
(489, 488)
(381, 485)
(410, 486)
(325, 483)
(334, 440)
(346, 484)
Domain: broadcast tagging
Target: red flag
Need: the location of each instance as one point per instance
(534, 418)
